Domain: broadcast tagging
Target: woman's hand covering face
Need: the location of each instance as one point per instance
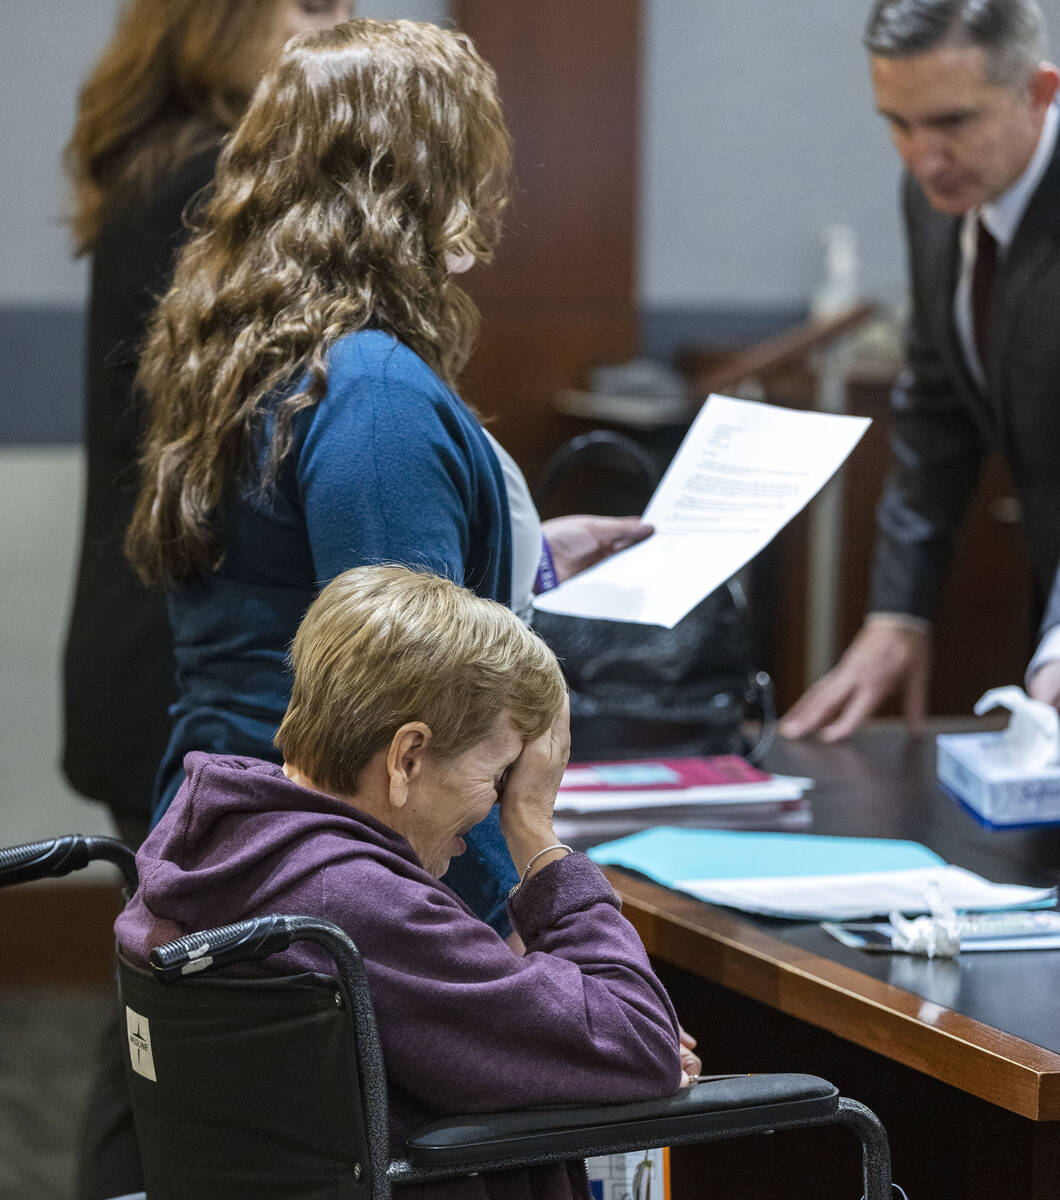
(529, 793)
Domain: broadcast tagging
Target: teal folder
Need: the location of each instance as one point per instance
(669, 855)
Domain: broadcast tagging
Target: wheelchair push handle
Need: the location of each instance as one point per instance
(37, 860)
(247, 941)
(244, 941)
(57, 856)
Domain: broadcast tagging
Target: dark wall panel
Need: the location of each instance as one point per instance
(559, 297)
(40, 394)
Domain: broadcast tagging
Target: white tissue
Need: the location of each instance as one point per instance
(936, 936)
(1032, 739)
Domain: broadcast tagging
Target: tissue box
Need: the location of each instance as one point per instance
(977, 769)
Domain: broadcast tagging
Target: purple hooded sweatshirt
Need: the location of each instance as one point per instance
(466, 1024)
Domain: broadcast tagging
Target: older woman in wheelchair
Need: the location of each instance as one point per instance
(421, 1053)
(417, 707)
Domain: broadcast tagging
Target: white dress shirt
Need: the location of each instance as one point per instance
(1001, 218)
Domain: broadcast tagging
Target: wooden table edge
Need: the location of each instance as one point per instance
(719, 945)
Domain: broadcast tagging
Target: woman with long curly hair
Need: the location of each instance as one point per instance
(301, 373)
(172, 82)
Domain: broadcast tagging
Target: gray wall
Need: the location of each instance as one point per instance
(45, 50)
(758, 131)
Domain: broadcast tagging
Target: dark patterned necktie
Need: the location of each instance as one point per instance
(982, 285)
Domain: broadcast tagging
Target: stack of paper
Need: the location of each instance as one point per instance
(605, 799)
(719, 780)
(808, 877)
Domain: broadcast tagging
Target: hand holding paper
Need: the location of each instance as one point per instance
(743, 471)
(580, 542)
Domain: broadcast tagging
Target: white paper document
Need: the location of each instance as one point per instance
(743, 471)
(848, 897)
(769, 791)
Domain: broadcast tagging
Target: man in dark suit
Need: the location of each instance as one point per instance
(970, 105)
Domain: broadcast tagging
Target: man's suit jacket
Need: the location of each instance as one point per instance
(943, 422)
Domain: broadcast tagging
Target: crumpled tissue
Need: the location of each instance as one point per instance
(937, 935)
(1032, 738)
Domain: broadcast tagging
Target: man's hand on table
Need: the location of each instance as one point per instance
(882, 658)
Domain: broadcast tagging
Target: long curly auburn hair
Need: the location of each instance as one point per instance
(172, 81)
(367, 154)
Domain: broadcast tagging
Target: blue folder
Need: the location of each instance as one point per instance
(669, 855)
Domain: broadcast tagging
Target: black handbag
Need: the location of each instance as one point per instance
(643, 689)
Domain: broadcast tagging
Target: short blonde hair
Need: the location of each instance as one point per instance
(382, 646)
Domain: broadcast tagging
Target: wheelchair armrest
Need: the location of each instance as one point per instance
(720, 1106)
(61, 855)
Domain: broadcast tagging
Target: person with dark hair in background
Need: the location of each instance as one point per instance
(173, 81)
(151, 118)
(969, 100)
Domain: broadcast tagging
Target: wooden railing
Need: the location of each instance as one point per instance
(771, 356)
(709, 371)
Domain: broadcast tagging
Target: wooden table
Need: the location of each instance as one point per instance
(960, 1058)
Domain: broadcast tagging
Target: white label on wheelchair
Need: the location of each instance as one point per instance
(143, 1062)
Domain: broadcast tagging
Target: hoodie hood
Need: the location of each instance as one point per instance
(229, 848)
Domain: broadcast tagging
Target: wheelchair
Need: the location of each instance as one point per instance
(276, 1087)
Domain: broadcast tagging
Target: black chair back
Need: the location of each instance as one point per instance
(246, 1087)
